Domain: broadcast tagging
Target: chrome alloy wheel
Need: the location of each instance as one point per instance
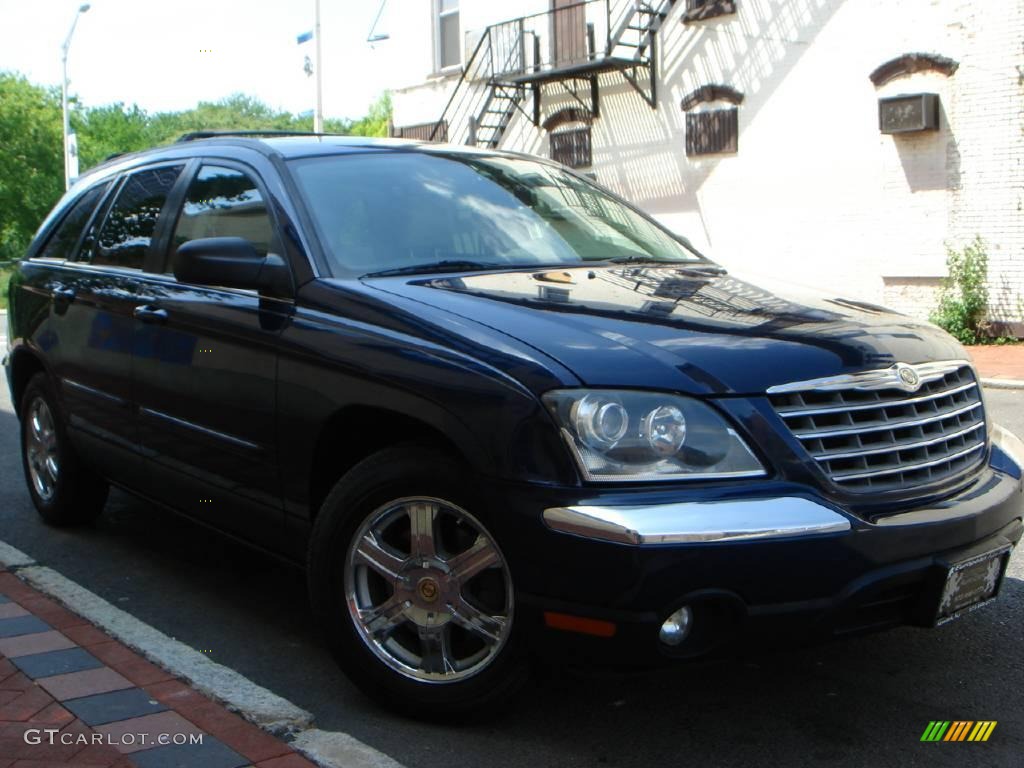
(428, 590)
(41, 449)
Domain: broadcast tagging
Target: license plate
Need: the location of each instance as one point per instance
(971, 584)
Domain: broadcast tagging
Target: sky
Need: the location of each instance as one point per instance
(169, 55)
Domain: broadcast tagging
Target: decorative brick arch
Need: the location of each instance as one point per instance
(566, 116)
(716, 92)
(911, 63)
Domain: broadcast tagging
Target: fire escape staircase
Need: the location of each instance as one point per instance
(515, 59)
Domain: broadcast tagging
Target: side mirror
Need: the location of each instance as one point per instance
(231, 262)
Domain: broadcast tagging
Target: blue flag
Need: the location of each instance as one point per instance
(305, 37)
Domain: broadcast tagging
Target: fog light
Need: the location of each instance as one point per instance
(676, 627)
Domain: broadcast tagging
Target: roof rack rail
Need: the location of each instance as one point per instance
(194, 135)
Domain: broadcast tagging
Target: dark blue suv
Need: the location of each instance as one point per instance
(496, 412)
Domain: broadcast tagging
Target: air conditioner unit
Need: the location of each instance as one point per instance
(909, 113)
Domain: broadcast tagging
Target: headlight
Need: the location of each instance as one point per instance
(640, 436)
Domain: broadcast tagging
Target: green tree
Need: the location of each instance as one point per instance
(109, 130)
(376, 122)
(31, 160)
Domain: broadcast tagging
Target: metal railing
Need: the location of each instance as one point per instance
(510, 53)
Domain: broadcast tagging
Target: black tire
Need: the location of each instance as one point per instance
(74, 495)
(388, 478)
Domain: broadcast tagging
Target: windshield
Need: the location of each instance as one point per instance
(409, 211)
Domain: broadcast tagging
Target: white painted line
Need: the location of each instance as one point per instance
(14, 558)
(339, 749)
(330, 749)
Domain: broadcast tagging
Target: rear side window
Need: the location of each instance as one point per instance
(128, 229)
(224, 202)
(64, 238)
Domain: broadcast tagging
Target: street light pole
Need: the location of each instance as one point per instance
(64, 95)
(318, 116)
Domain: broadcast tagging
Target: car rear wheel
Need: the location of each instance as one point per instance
(63, 490)
(413, 590)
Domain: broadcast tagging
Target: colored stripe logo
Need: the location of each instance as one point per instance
(959, 730)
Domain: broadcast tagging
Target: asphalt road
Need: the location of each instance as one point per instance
(859, 702)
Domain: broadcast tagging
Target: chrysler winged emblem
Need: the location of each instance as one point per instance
(909, 379)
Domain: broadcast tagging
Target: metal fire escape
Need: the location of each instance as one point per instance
(568, 47)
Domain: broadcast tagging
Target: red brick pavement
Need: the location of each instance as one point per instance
(1004, 361)
(49, 701)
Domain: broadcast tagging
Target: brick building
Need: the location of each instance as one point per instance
(754, 127)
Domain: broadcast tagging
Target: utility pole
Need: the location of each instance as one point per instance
(68, 172)
(318, 115)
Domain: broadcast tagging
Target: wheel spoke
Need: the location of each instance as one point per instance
(381, 619)
(435, 645)
(35, 424)
(422, 525)
(379, 559)
(480, 556)
(488, 628)
(50, 465)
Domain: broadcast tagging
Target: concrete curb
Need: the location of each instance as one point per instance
(273, 713)
(1003, 383)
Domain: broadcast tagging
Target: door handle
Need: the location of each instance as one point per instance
(62, 297)
(148, 313)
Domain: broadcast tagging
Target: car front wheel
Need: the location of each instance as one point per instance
(413, 590)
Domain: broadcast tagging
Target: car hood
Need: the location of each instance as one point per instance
(685, 329)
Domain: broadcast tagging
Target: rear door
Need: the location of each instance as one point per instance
(94, 327)
(206, 374)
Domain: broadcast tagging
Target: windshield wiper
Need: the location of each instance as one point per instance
(449, 265)
(688, 266)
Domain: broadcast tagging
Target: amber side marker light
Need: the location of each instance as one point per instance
(570, 623)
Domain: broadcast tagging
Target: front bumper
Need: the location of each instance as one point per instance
(772, 562)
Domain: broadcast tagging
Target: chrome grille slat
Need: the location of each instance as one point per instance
(867, 436)
(884, 425)
(877, 404)
(906, 467)
(898, 446)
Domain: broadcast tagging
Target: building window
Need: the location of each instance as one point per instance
(448, 41)
(712, 131)
(713, 128)
(699, 10)
(572, 147)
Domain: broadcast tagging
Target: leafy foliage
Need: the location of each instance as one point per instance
(31, 155)
(31, 160)
(963, 300)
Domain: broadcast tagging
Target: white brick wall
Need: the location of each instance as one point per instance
(816, 194)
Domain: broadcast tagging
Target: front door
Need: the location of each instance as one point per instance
(569, 35)
(206, 370)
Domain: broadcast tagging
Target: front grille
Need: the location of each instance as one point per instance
(868, 433)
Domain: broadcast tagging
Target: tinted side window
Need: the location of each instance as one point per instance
(65, 236)
(129, 226)
(223, 202)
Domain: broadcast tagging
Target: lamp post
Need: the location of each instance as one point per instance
(318, 115)
(64, 96)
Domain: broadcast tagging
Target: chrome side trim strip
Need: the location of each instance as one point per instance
(697, 522)
(77, 385)
(203, 430)
(785, 413)
(883, 378)
(806, 434)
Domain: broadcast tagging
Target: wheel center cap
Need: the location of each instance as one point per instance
(428, 589)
